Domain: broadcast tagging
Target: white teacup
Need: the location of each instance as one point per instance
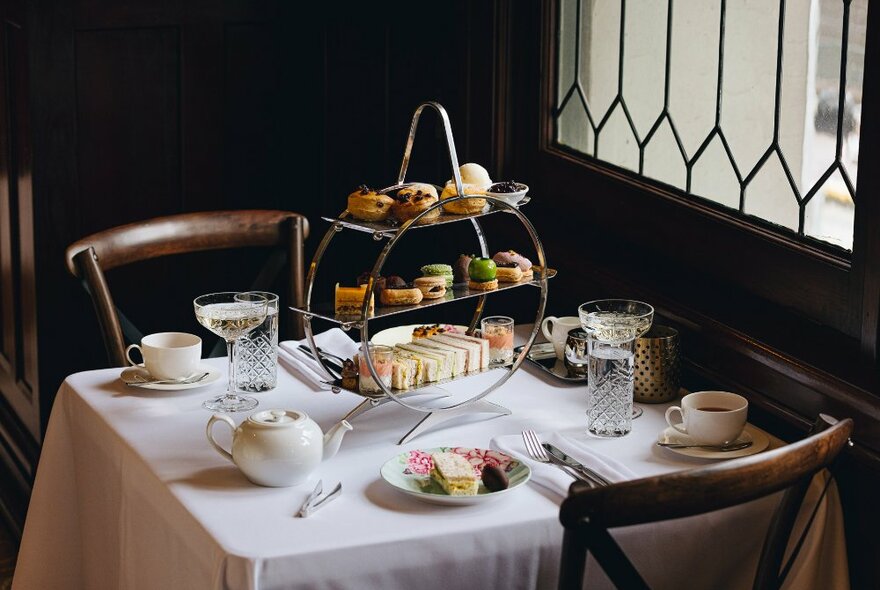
(711, 417)
(556, 331)
(169, 355)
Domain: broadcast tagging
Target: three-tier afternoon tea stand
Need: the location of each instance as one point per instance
(434, 415)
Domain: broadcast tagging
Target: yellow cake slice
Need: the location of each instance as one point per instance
(348, 300)
(454, 474)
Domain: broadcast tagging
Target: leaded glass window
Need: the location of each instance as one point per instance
(752, 104)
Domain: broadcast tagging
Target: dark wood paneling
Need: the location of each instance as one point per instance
(128, 124)
(18, 353)
(19, 379)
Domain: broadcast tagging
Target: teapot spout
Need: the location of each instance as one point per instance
(333, 438)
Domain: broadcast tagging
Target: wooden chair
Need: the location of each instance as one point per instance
(91, 256)
(588, 513)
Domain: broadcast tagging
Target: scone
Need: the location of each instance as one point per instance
(414, 199)
(454, 474)
(368, 205)
(463, 206)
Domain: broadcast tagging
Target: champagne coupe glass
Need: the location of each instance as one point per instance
(230, 315)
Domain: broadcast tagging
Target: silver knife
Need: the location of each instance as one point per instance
(574, 464)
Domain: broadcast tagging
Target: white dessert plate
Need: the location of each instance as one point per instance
(131, 374)
(403, 334)
(410, 471)
(760, 441)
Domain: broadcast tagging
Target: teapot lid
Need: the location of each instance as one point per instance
(277, 418)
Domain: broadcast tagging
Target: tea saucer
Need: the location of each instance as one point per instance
(130, 376)
(760, 441)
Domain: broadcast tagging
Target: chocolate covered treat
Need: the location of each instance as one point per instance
(494, 478)
(460, 269)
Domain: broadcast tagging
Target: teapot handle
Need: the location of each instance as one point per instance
(209, 432)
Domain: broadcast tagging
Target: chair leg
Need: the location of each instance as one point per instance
(574, 560)
(611, 557)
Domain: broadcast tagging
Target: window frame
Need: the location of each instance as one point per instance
(819, 282)
(793, 333)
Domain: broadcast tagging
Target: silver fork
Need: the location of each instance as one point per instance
(537, 452)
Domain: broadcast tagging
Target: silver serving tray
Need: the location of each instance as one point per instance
(543, 356)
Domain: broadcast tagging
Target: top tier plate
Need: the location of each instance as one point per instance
(391, 227)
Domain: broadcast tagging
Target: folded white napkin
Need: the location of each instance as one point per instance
(552, 477)
(300, 364)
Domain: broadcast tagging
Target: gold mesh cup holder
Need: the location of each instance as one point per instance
(657, 366)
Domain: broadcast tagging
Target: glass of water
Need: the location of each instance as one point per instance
(613, 325)
(256, 353)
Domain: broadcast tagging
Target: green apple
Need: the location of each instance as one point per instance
(482, 270)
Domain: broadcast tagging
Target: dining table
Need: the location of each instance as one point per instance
(130, 494)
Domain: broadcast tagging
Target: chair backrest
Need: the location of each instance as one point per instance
(588, 513)
(89, 257)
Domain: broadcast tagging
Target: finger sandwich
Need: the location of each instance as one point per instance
(459, 355)
(482, 342)
(454, 474)
(473, 349)
(446, 359)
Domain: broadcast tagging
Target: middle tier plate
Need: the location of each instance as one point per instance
(326, 310)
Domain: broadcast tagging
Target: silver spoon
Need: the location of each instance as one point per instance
(722, 448)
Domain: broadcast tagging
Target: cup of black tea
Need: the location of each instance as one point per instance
(711, 417)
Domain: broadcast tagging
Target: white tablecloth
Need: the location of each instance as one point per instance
(129, 494)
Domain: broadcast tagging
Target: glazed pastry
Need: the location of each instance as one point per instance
(525, 265)
(414, 199)
(508, 272)
(438, 270)
(475, 174)
(464, 206)
(406, 295)
(368, 205)
(432, 287)
(460, 269)
(349, 300)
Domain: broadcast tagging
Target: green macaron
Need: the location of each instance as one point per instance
(438, 270)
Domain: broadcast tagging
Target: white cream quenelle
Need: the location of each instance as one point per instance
(278, 448)
(473, 174)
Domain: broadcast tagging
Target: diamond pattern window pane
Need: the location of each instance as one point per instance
(751, 104)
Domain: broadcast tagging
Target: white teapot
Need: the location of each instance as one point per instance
(278, 448)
